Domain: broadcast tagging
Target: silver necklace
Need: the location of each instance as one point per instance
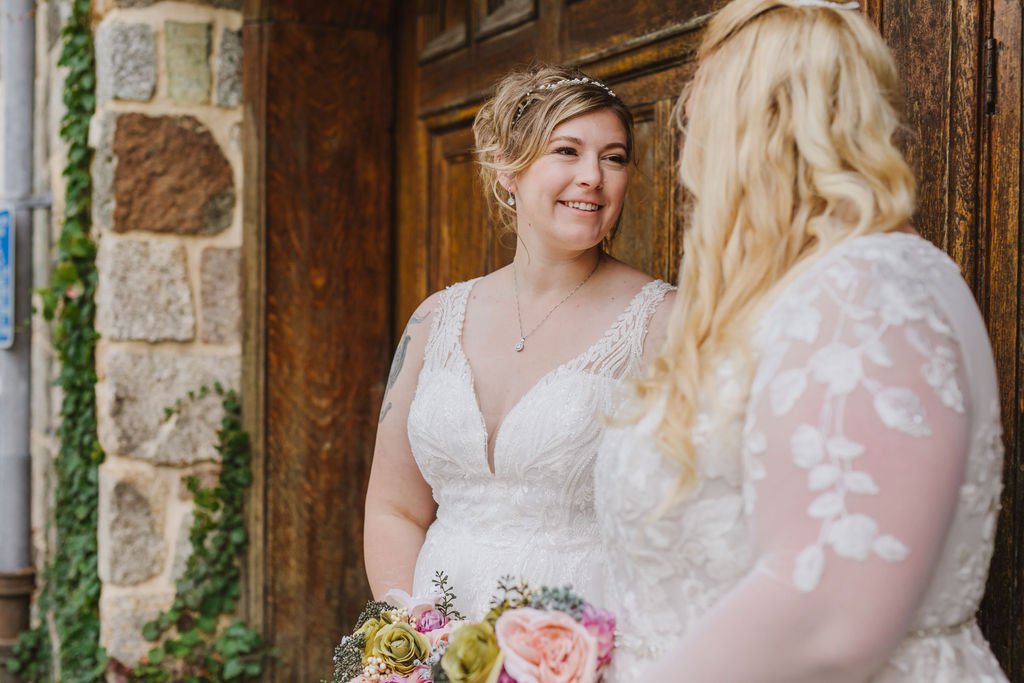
(521, 344)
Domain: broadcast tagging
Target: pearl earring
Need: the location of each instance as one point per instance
(511, 200)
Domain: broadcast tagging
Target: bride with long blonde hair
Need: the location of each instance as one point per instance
(808, 483)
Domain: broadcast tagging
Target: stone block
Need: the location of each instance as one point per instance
(131, 521)
(134, 392)
(182, 548)
(171, 176)
(122, 618)
(221, 296)
(229, 69)
(188, 61)
(143, 293)
(104, 163)
(125, 62)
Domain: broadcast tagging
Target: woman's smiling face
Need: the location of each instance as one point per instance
(572, 195)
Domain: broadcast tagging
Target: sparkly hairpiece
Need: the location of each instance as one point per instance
(827, 5)
(582, 80)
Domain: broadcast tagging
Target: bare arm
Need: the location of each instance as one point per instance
(399, 503)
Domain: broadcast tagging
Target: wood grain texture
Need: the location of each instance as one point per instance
(254, 358)
(351, 14)
(1002, 610)
(923, 61)
(327, 157)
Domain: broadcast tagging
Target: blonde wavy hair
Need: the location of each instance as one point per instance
(788, 126)
(512, 129)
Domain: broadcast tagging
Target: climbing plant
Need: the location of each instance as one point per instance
(198, 639)
(71, 584)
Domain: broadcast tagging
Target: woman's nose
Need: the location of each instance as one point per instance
(589, 173)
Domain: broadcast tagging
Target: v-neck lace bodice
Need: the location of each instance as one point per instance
(533, 516)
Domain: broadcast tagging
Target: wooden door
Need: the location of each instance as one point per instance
(963, 109)
(960, 62)
(318, 254)
(451, 52)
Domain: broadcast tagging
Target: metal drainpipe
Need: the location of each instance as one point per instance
(17, 41)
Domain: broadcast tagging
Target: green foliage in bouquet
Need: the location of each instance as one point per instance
(348, 656)
(558, 599)
(206, 644)
(446, 605)
(512, 593)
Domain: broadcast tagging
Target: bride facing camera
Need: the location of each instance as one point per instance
(809, 485)
(483, 465)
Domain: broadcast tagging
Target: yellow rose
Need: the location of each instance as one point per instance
(400, 646)
(473, 655)
(369, 630)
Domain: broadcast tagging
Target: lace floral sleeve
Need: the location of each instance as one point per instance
(857, 408)
(855, 441)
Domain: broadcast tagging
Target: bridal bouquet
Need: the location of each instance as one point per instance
(547, 635)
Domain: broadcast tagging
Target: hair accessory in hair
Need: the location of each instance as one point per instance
(582, 80)
(828, 5)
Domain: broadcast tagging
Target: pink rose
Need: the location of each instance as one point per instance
(601, 624)
(440, 635)
(546, 647)
(420, 675)
(431, 620)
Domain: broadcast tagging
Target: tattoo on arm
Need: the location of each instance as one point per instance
(399, 362)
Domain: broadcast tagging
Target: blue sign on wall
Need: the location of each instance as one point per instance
(6, 278)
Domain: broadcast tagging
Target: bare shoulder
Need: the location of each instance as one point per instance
(623, 279)
(427, 308)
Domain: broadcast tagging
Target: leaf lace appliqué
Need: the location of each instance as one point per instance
(869, 304)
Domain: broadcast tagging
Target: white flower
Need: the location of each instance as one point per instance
(839, 366)
(852, 536)
(807, 446)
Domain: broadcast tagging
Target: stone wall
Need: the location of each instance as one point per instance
(166, 209)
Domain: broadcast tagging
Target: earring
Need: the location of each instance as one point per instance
(511, 199)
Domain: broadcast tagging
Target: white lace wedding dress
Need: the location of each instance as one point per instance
(533, 517)
(859, 477)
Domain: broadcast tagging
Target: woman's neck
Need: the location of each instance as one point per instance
(539, 272)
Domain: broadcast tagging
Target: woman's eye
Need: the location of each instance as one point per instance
(617, 159)
(568, 151)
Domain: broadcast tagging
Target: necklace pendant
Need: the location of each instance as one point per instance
(520, 345)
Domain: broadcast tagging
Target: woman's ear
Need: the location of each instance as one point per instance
(507, 181)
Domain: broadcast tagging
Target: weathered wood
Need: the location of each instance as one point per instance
(1002, 610)
(926, 84)
(326, 158)
(254, 36)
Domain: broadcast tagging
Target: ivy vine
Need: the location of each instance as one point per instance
(197, 640)
(71, 584)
